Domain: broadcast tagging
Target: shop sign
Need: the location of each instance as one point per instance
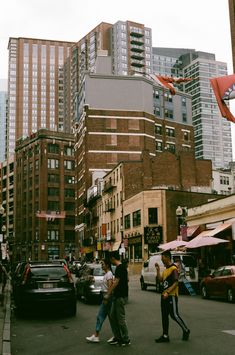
(153, 235)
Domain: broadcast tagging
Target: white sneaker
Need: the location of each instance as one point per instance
(93, 339)
(110, 340)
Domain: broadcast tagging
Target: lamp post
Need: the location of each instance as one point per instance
(181, 213)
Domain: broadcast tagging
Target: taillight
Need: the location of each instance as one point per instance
(26, 275)
(68, 273)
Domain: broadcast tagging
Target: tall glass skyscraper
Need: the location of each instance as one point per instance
(212, 132)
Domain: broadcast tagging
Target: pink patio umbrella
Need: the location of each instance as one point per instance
(204, 241)
(173, 244)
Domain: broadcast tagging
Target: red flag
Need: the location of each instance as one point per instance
(224, 89)
(168, 82)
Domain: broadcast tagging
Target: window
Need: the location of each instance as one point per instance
(127, 221)
(168, 113)
(53, 178)
(158, 129)
(153, 216)
(184, 117)
(52, 191)
(52, 163)
(53, 148)
(53, 235)
(68, 151)
(69, 179)
(69, 193)
(69, 206)
(170, 132)
(136, 218)
(157, 111)
(170, 147)
(53, 206)
(159, 146)
(186, 136)
(183, 101)
(69, 164)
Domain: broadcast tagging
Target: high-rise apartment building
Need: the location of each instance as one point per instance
(212, 132)
(165, 59)
(35, 86)
(129, 44)
(3, 118)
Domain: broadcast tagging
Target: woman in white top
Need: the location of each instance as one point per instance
(105, 306)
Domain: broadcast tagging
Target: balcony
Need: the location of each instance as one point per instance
(138, 49)
(136, 40)
(108, 186)
(137, 56)
(109, 207)
(137, 63)
(136, 31)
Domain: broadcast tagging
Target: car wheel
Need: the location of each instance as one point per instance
(204, 292)
(73, 309)
(143, 285)
(230, 296)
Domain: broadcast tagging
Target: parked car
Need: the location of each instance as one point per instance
(188, 261)
(220, 283)
(43, 284)
(89, 281)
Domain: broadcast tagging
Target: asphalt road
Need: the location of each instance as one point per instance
(212, 324)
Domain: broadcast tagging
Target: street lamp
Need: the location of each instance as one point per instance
(181, 213)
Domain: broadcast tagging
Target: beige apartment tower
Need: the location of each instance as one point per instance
(35, 87)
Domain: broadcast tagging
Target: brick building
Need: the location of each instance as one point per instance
(44, 196)
(139, 198)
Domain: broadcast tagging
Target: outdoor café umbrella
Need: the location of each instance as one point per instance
(173, 244)
(203, 241)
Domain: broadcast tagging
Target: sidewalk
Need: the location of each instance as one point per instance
(5, 322)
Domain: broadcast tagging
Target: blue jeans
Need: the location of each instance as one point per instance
(104, 311)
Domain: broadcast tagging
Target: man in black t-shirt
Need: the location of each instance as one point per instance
(119, 290)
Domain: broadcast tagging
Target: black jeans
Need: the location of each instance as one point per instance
(169, 306)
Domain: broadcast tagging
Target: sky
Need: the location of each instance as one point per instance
(202, 25)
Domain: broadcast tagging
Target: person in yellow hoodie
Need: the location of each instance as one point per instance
(169, 298)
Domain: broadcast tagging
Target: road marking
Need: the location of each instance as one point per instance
(231, 332)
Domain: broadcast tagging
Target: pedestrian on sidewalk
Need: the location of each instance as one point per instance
(119, 290)
(3, 280)
(169, 298)
(105, 306)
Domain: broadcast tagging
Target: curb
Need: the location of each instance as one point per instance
(6, 336)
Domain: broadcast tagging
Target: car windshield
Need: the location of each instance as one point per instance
(98, 271)
(48, 272)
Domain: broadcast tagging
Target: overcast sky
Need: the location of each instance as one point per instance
(201, 25)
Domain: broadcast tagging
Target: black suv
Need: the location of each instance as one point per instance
(37, 284)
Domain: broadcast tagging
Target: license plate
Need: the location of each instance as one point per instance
(47, 285)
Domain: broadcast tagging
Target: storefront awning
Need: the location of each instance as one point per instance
(192, 230)
(217, 230)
